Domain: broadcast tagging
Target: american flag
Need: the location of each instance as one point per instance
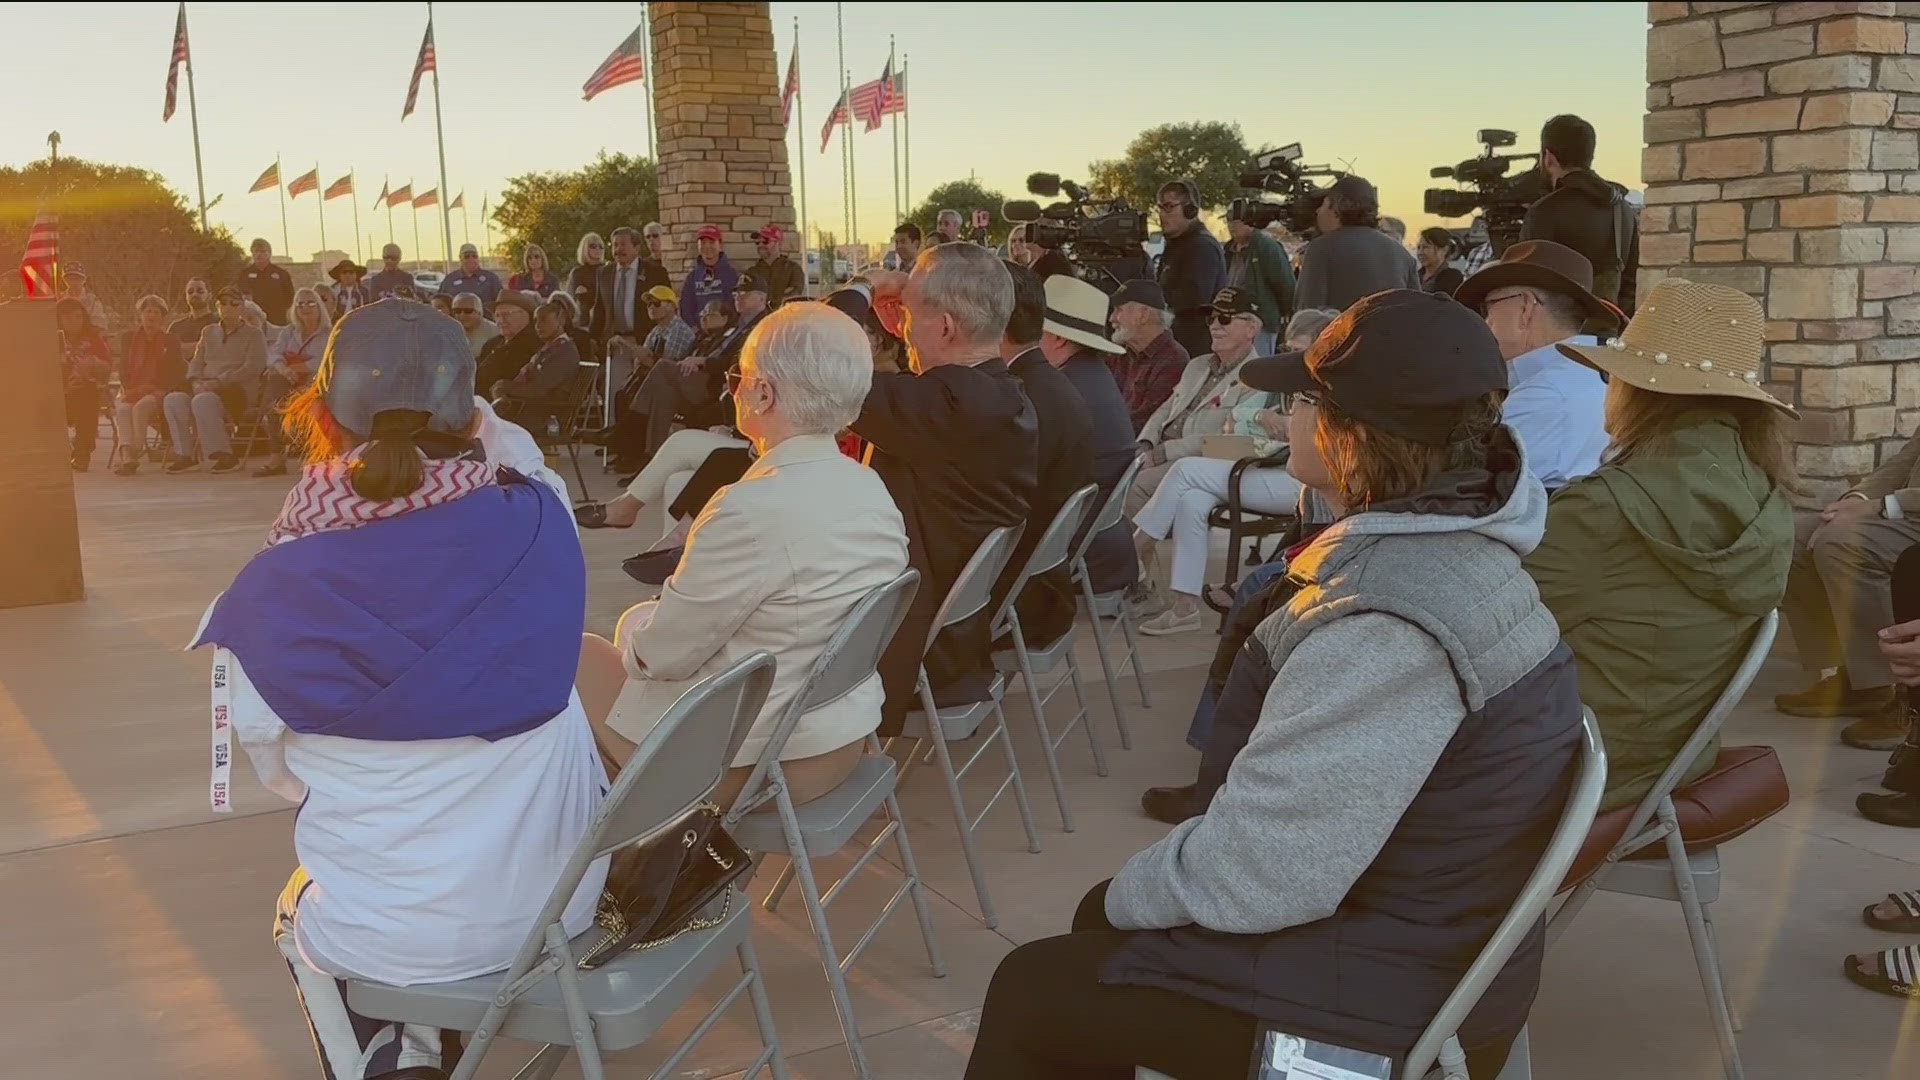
(305, 182)
(401, 196)
(342, 186)
(268, 180)
(835, 118)
(173, 66)
(459, 202)
(866, 100)
(626, 63)
(39, 265)
(429, 197)
(421, 66)
(792, 88)
(381, 199)
(894, 97)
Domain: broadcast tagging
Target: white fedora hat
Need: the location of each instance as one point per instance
(1078, 312)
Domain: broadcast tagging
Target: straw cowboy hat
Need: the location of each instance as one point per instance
(1688, 339)
(1077, 311)
(346, 266)
(1540, 264)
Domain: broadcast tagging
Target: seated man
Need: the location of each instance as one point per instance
(224, 376)
(1535, 299)
(672, 389)
(1411, 715)
(1203, 403)
(1154, 361)
(1082, 355)
(671, 339)
(502, 358)
(540, 388)
(467, 309)
(1838, 602)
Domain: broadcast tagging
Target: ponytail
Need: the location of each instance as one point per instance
(389, 464)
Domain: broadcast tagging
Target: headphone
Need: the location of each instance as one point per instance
(1188, 192)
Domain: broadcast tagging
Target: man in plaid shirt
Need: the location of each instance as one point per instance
(1152, 365)
(671, 338)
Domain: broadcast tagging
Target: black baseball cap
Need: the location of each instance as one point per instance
(1402, 361)
(752, 282)
(1234, 300)
(1141, 291)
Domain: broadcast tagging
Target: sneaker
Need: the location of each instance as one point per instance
(1832, 696)
(1147, 601)
(180, 463)
(1172, 622)
(1883, 731)
(1902, 811)
(126, 468)
(1173, 805)
(224, 463)
(81, 462)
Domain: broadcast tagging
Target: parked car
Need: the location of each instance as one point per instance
(428, 281)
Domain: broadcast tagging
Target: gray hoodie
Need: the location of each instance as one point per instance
(236, 359)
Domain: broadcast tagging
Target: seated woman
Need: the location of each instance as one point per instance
(1660, 564)
(291, 361)
(442, 785)
(774, 562)
(151, 367)
(1409, 718)
(1193, 486)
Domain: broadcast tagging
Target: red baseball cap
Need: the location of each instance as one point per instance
(708, 232)
(770, 233)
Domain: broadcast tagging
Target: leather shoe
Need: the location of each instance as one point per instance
(1899, 810)
(1884, 730)
(1832, 696)
(598, 436)
(1173, 805)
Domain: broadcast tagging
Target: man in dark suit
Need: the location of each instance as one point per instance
(619, 311)
(956, 442)
(1071, 343)
(1064, 461)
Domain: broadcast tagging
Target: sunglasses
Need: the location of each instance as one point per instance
(1220, 319)
(466, 311)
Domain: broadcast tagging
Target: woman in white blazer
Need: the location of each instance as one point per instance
(774, 562)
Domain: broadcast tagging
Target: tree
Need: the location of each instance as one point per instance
(965, 196)
(131, 232)
(1211, 154)
(554, 209)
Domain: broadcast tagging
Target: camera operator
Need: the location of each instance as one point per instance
(1193, 267)
(1584, 212)
(1257, 263)
(1351, 257)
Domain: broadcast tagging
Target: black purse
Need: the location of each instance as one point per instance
(658, 891)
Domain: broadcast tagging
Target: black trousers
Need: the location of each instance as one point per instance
(83, 415)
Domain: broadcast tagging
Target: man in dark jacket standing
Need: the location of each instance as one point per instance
(783, 276)
(1584, 212)
(267, 285)
(1351, 257)
(956, 442)
(1193, 268)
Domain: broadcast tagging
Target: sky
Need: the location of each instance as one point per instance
(998, 91)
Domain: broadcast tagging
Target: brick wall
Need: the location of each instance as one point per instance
(723, 151)
(1782, 143)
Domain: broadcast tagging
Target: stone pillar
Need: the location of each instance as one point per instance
(1781, 149)
(723, 150)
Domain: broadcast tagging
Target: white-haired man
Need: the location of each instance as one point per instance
(957, 442)
(1154, 359)
(947, 227)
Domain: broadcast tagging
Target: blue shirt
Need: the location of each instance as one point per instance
(482, 283)
(1555, 405)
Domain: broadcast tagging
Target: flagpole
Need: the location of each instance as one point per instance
(280, 185)
(193, 114)
(800, 125)
(321, 198)
(646, 82)
(440, 137)
(386, 187)
(415, 207)
(846, 124)
(486, 222)
(906, 121)
(353, 196)
(466, 223)
(887, 95)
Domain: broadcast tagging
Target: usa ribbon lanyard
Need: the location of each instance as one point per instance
(220, 788)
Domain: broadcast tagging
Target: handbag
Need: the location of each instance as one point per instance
(656, 892)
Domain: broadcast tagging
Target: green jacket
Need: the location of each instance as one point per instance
(1263, 267)
(1658, 568)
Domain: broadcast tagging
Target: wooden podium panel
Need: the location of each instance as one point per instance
(39, 527)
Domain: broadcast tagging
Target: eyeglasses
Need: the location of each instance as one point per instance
(1170, 205)
(1487, 305)
(735, 380)
(1303, 397)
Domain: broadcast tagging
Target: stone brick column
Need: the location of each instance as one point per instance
(723, 151)
(1781, 149)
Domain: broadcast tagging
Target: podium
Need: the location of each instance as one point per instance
(39, 526)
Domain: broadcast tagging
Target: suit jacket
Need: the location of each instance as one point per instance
(1111, 562)
(1065, 465)
(957, 448)
(601, 321)
(775, 561)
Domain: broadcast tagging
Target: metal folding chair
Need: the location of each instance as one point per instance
(543, 997)
(1439, 1044)
(1111, 605)
(824, 825)
(1050, 552)
(970, 593)
(1691, 879)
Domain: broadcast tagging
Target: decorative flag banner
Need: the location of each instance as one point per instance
(401, 195)
(459, 202)
(423, 64)
(38, 265)
(837, 116)
(173, 66)
(792, 88)
(383, 197)
(429, 197)
(342, 186)
(626, 63)
(307, 181)
(268, 180)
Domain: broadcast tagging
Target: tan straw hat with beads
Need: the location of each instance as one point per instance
(1688, 339)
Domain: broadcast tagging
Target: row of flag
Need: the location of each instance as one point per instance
(389, 196)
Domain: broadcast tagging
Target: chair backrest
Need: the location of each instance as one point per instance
(973, 588)
(1053, 547)
(1576, 818)
(1709, 725)
(1115, 507)
(850, 658)
(673, 770)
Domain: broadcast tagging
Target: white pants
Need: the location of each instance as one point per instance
(204, 415)
(1189, 492)
(132, 420)
(667, 473)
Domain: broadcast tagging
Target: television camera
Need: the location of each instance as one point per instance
(1101, 238)
(1501, 200)
(1279, 172)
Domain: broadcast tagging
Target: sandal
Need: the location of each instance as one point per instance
(1893, 974)
(1908, 922)
(591, 515)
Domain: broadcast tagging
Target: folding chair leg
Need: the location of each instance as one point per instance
(1133, 650)
(1558, 922)
(1106, 661)
(544, 1064)
(1704, 956)
(1047, 751)
(779, 887)
(586, 493)
(822, 936)
(916, 888)
(579, 1020)
(961, 821)
(762, 1012)
(1013, 777)
(1713, 940)
(1085, 718)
